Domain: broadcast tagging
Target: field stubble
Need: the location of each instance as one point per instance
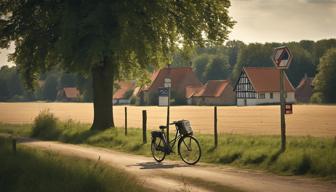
(313, 120)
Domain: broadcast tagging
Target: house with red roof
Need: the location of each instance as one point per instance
(124, 92)
(260, 86)
(68, 94)
(181, 77)
(214, 92)
(304, 90)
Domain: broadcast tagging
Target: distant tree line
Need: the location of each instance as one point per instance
(46, 88)
(222, 62)
(314, 58)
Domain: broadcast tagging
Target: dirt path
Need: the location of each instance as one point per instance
(152, 174)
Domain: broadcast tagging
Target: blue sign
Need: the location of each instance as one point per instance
(163, 92)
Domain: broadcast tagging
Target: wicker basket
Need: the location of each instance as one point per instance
(184, 127)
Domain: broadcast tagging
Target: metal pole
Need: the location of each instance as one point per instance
(282, 111)
(168, 113)
(215, 126)
(125, 120)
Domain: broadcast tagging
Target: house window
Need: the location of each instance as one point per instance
(271, 95)
(261, 95)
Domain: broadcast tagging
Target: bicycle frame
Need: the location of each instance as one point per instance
(172, 142)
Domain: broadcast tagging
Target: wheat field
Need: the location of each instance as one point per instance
(313, 120)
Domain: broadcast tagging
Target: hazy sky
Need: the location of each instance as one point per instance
(276, 21)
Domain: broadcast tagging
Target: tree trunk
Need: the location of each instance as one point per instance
(102, 83)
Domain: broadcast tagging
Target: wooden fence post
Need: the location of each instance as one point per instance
(125, 120)
(144, 126)
(215, 126)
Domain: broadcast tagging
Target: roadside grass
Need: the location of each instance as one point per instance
(303, 156)
(30, 170)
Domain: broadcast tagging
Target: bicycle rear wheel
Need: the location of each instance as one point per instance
(189, 150)
(157, 148)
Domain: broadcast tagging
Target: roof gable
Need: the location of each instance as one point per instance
(266, 79)
(71, 92)
(213, 88)
(125, 86)
(181, 77)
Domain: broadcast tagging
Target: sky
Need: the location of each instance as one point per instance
(273, 21)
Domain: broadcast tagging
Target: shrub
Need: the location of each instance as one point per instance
(45, 126)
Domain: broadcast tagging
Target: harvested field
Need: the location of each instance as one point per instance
(313, 120)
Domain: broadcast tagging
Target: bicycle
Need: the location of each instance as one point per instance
(189, 149)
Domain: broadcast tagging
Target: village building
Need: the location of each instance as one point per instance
(68, 94)
(261, 86)
(214, 92)
(304, 90)
(124, 92)
(180, 77)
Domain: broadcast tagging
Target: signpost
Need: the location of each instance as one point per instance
(167, 84)
(282, 58)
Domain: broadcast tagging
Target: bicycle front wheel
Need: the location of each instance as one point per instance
(189, 150)
(157, 148)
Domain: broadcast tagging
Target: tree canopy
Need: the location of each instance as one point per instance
(106, 38)
(324, 82)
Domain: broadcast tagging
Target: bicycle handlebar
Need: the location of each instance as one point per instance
(173, 123)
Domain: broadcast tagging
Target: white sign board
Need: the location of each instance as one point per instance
(282, 57)
(163, 96)
(163, 101)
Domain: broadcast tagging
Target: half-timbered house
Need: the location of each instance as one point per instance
(260, 86)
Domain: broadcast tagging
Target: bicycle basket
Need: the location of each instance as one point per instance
(184, 127)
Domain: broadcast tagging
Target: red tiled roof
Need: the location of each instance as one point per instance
(192, 90)
(71, 92)
(125, 86)
(267, 79)
(181, 77)
(213, 88)
(305, 81)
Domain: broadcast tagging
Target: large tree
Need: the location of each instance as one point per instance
(107, 38)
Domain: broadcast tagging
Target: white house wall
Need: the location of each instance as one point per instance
(267, 100)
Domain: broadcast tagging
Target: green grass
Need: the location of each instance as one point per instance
(304, 155)
(30, 170)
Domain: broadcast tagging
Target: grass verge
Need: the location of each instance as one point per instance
(304, 155)
(39, 171)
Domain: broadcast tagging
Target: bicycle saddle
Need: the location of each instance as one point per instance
(163, 127)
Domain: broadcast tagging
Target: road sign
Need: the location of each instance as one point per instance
(163, 96)
(282, 57)
(163, 92)
(289, 109)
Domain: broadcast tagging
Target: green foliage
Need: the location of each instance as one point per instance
(10, 83)
(45, 125)
(68, 80)
(324, 82)
(199, 64)
(217, 69)
(82, 35)
(39, 171)
(49, 89)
